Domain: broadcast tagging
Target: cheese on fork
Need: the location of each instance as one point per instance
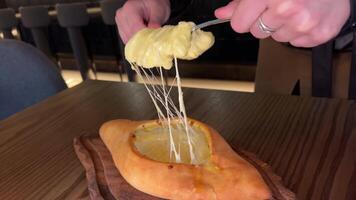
(157, 47)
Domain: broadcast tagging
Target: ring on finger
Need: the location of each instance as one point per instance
(264, 28)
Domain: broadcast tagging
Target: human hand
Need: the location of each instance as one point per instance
(303, 23)
(138, 14)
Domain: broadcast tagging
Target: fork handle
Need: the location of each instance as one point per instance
(210, 23)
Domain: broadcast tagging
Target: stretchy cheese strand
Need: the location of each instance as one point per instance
(160, 48)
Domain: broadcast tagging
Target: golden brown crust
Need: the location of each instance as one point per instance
(227, 176)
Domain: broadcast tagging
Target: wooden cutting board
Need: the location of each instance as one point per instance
(105, 181)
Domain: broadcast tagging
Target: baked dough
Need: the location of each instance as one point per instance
(150, 48)
(224, 176)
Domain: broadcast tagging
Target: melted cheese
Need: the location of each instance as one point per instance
(157, 47)
(150, 48)
(153, 142)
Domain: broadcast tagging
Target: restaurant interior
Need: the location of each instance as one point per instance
(78, 120)
(224, 65)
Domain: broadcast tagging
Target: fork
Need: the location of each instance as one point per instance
(210, 23)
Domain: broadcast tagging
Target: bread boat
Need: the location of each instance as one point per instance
(220, 174)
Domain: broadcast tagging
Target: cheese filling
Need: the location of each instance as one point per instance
(151, 48)
(157, 47)
(152, 141)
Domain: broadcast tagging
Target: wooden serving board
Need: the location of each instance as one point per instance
(105, 181)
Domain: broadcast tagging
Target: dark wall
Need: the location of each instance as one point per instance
(2, 4)
(229, 46)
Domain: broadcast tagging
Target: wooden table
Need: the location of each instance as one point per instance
(310, 142)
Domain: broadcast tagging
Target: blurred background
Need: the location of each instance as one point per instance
(81, 38)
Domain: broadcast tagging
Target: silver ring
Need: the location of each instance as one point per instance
(264, 28)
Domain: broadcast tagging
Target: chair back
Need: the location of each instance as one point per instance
(108, 10)
(8, 21)
(27, 77)
(37, 19)
(35, 16)
(322, 70)
(73, 17)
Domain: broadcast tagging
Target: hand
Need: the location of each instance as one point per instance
(138, 14)
(303, 23)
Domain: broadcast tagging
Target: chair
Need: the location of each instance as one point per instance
(27, 76)
(8, 21)
(108, 12)
(73, 17)
(36, 19)
(320, 72)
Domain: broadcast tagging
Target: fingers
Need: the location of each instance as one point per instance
(304, 41)
(134, 24)
(274, 18)
(314, 31)
(128, 26)
(302, 23)
(244, 17)
(269, 19)
(156, 12)
(129, 19)
(138, 14)
(285, 34)
(226, 11)
(119, 19)
(153, 25)
(315, 37)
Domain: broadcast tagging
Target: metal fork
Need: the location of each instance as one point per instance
(210, 23)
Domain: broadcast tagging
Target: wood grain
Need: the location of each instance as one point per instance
(310, 142)
(105, 181)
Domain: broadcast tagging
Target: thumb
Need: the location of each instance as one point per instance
(156, 20)
(226, 12)
(153, 25)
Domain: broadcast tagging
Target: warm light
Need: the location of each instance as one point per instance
(14, 32)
